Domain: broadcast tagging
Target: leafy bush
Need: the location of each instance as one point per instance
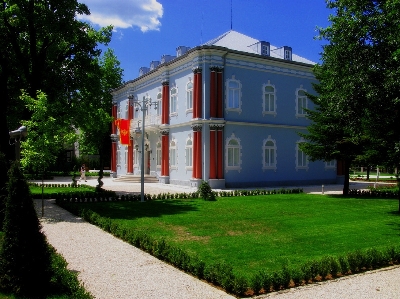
(205, 191)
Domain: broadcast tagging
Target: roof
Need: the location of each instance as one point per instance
(240, 42)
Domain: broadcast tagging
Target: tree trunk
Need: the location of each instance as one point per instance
(346, 186)
(368, 171)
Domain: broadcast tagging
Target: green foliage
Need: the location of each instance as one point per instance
(57, 55)
(25, 256)
(205, 191)
(3, 190)
(47, 135)
(356, 115)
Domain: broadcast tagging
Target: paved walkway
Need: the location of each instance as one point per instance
(110, 268)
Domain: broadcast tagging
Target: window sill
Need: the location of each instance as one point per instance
(238, 110)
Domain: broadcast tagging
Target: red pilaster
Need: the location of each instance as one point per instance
(199, 94)
(165, 103)
(194, 162)
(213, 104)
(165, 155)
(220, 173)
(195, 86)
(130, 146)
(219, 95)
(199, 157)
(212, 154)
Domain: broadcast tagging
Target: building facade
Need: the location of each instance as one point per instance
(227, 112)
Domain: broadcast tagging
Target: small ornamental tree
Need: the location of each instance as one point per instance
(25, 254)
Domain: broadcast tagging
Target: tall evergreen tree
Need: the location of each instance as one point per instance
(25, 255)
(357, 105)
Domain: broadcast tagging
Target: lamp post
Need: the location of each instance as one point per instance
(143, 106)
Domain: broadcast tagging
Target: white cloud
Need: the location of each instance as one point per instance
(144, 14)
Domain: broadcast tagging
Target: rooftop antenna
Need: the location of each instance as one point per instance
(231, 14)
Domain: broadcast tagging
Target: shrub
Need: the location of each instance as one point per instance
(25, 264)
(205, 191)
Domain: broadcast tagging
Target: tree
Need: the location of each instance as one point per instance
(94, 109)
(44, 47)
(25, 264)
(357, 104)
(3, 192)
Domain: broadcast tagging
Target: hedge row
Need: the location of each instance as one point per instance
(380, 193)
(222, 274)
(80, 197)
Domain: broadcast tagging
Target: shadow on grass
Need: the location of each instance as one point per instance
(136, 210)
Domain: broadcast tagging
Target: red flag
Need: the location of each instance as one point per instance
(124, 136)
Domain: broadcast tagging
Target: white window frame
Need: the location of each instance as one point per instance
(189, 96)
(136, 158)
(173, 102)
(231, 149)
(266, 104)
(159, 103)
(288, 54)
(330, 165)
(264, 50)
(118, 156)
(301, 102)
(300, 155)
(158, 155)
(189, 153)
(272, 164)
(173, 154)
(235, 91)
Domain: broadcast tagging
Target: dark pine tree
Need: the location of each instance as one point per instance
(25, 254)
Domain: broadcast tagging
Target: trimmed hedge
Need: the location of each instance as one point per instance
(380, 193)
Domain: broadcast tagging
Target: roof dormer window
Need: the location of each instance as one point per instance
(287, 53)
(265, 48)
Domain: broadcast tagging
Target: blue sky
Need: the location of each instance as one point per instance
(144, 30)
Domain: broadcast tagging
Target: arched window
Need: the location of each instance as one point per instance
(301, 157)
(233, 154)
(301, 102)
(233, 95)
(189, 153)
(174, 101)
(189, 96)
(269, 99)
(269, 154)
(159, 103)
(172, 155)
(158, 154)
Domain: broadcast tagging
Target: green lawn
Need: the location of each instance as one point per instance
(54, 190)
(263, 232)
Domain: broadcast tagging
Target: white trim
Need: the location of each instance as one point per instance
(303, 155)
(239, 95)
(189, 109)
(264, 93)
(227, 148)
(174, 148)
(173, 113)
(190, 149)
(274, 148)
(158, 154)
(303, 98)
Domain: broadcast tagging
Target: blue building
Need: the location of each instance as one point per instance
(227, 112)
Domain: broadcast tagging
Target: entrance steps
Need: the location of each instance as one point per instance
(130, 178)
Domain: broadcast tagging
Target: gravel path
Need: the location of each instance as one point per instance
(110, 268)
